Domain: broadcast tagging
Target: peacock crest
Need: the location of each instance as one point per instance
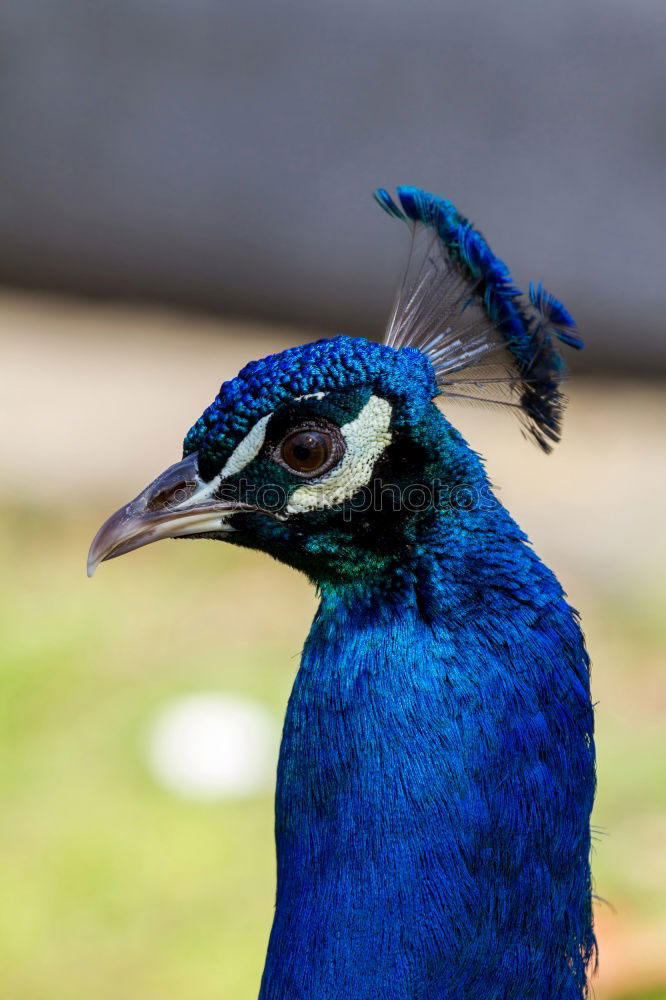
(457, 304)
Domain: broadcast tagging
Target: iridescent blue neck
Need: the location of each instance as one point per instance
(435, 783)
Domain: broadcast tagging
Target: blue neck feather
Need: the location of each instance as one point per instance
(436, 778)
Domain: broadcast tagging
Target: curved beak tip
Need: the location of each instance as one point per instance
(176, 504)
(107, 541)
(93, 561)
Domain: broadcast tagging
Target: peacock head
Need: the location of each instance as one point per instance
(321, 455)
(333, 456)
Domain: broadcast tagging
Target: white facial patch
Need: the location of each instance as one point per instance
(247, 449)
(366, 437)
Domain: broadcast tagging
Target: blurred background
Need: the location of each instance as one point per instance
(186, 187)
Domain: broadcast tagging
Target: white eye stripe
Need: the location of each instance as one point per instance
(366, 437)
(247, 449)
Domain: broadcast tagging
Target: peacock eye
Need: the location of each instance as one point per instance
(306, 450)
(309, 448)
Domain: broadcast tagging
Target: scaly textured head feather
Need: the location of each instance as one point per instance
(458, 304)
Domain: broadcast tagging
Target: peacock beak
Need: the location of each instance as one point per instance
(176, 504)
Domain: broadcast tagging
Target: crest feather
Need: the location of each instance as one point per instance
(458, 304)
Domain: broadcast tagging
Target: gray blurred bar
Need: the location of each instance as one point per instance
(222, 155)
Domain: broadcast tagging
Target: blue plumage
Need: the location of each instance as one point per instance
(436, 773)
(554, 316)
(507, 338)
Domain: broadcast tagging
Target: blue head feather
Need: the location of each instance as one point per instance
(508, 331)
(554, 316)
(324, 366)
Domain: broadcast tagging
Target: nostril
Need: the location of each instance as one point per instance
(173, 488)
(172, 496)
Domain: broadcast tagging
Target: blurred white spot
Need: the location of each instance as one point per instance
(214, 746)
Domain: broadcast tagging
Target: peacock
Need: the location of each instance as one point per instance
(436, 772)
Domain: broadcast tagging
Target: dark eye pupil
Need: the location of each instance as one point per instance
(306, 451)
